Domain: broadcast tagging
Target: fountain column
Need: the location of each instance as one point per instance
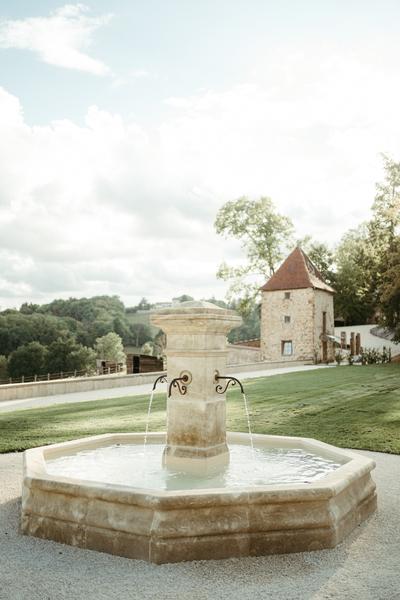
(196, 347)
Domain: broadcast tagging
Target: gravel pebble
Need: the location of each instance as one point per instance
(366, 566)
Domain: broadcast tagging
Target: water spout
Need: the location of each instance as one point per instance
(220, 389)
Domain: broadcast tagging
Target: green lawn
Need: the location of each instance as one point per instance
(356, 407)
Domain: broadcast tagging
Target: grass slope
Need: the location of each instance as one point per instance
(357, 407)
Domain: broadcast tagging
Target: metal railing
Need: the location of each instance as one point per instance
(114, 370)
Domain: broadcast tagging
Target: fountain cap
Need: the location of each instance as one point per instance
(196, 310)
(194, 307)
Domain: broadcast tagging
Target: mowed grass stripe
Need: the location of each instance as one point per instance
(357, 407)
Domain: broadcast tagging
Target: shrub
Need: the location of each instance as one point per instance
(338, 357)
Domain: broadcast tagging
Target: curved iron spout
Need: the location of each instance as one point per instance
(161, 379)
(181, 386)
(229, 381)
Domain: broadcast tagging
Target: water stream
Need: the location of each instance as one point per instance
(246, 408)
(146, 433)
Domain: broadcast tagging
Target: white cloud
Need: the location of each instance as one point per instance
(113, 207)
(59, 39)
(133, 77)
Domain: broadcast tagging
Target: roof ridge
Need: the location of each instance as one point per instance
(297, 271)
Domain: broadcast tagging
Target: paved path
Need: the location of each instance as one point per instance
(367, 339)
(134, 390)
(365, 566)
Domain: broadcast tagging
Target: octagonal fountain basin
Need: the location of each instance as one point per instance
(111, 493)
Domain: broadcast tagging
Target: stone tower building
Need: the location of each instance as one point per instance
(297, 313)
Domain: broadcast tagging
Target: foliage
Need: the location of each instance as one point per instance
(390, 291)
(65, 355)
(109, 347)
(373, 356)
(28, 360)
(147, 348)
(140, 334)
(355, 281)
(338, 357)
(160, 343)
(250, 329)
(321, 256)
(386, 207)
(183, 298)
(71, 328)
(18, 329)
(144, 304)
(264, 235)
(359, 409)
(3, 367)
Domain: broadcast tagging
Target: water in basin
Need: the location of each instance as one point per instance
(132, 465)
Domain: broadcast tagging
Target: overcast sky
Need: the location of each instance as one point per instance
(125, 125)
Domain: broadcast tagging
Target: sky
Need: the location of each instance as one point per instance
(126, 125)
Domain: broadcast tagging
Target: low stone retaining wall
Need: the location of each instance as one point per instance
(243, 355)
(20, 391)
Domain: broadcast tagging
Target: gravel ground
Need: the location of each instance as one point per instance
(365, 567)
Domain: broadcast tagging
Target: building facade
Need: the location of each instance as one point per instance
(297, 319)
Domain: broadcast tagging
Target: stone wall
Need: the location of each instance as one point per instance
(305, 307)
(300, 330)
(242, 355)
(20, 391)
(323, 302)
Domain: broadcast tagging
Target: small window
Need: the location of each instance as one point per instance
(287, 319)
(287, 348)
(287, 295)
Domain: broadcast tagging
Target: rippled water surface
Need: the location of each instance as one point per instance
(128, 464)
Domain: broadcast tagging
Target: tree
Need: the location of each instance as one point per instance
(390, 291)
(109, 347)
(365, 280)
(82, 359)
(28, 360)
(3, 367)
(264, 235)
(250, 328)
(183, 298)
(321, 256)
(386, 207)
(160, 343)
(355, 298)
(140, 333)
(147, 348)
(144, 304)
(65, 355)
(27, 308)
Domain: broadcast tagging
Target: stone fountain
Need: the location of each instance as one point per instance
(179, 496)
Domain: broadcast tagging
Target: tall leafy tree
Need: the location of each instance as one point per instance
(390, 291)
(109, 347)
(355, 298)
(65, 355)
(265, 236)
(385, 223)
(321, 256)
(3, 367)
(28, 360)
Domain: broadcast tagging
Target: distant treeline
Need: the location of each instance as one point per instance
(60, 336)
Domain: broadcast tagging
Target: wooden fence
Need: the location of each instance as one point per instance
(112, 370)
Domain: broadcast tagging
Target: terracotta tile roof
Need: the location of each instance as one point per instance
(297, 271)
